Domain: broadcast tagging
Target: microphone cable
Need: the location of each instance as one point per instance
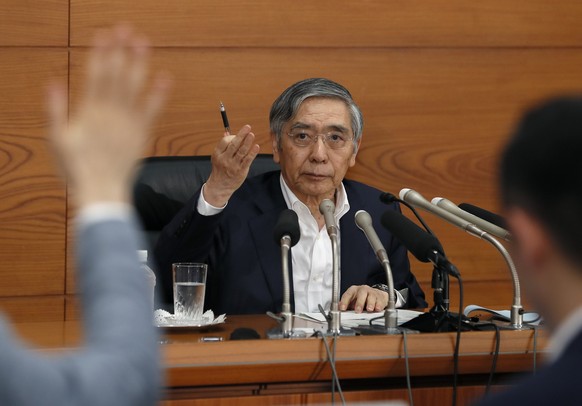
(331, 358)
(535, 348)
(458, 340)
(405, 348)
(408, 384)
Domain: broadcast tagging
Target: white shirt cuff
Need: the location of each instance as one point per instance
(205, 208)
(399, 299)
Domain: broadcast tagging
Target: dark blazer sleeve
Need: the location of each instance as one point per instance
(363, 197)
(188, 237)
(401, 273)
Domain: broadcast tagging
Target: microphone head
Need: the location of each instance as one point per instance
(403, 193)
(420, 243)
(326, 206)
(486, 215)
(287, 224)
(388, 198)
(363, 219)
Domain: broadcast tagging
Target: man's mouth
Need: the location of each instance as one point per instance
(316, 175)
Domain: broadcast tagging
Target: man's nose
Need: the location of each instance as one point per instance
(319, 151)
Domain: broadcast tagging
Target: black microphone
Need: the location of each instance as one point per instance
(287, 225)
(425, 247)
(389, 198)
(287, 234)
(484, 214)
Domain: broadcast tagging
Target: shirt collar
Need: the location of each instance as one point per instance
(342, 205)
(565, 334)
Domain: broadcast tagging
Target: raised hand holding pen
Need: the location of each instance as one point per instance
(231, 161)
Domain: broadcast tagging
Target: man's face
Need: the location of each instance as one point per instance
(315, 171)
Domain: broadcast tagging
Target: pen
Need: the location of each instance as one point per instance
(224, 118)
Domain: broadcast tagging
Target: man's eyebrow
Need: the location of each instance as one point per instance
(301, 125)
(334, 127)
(337, 127)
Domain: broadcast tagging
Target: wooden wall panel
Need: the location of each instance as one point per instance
(304, 23)
(32, 208)
(34, 22)
(435, 118)
(33, 308)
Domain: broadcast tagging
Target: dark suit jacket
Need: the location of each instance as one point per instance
(556, 384)
(244, 260)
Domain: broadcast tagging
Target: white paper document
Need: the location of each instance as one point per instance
(352, 319)
(528, 317)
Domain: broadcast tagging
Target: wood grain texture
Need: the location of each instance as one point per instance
(435, 119)
(34, 23)
(33, 308)
(371, 23)
(32, 212)
(422, 396)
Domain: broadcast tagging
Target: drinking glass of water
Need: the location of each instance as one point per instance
(189, 287)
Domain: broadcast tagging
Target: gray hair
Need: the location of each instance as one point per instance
(286, 105)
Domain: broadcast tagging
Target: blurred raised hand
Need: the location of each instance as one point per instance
(99, 144)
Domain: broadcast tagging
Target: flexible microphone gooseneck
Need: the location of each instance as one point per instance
(364, 223)
(516, 314)
(418, 200)
(327, 208)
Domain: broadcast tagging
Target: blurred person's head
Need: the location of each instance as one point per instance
(541, 187)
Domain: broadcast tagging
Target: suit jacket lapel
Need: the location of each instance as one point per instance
(270, 202)
(350, 243)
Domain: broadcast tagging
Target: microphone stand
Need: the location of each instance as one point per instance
(516, 314)
(285, 319)
(334, 325)
(333, 318)
(438, 318)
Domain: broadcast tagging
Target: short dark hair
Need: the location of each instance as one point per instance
(541, 170)
(286, 105)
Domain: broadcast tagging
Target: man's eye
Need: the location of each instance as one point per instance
(336, 137)
(302, 136)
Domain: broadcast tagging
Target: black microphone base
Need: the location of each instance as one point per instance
(342, 332)
(277, 334)
(437, 322)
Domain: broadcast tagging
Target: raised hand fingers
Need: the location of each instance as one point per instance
(117, 67)
(156, 98)
(57, 110)
(233, 142)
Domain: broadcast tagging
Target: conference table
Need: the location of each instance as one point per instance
(204, 366)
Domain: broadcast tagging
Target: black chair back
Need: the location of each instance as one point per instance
(165, 183)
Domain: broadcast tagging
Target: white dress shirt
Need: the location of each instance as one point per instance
(311, 257)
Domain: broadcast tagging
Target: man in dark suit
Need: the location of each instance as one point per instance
(316, 130)
(541, 183)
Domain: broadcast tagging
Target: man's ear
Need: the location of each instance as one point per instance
(353, 157)
(533, 244)
(275, 148)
